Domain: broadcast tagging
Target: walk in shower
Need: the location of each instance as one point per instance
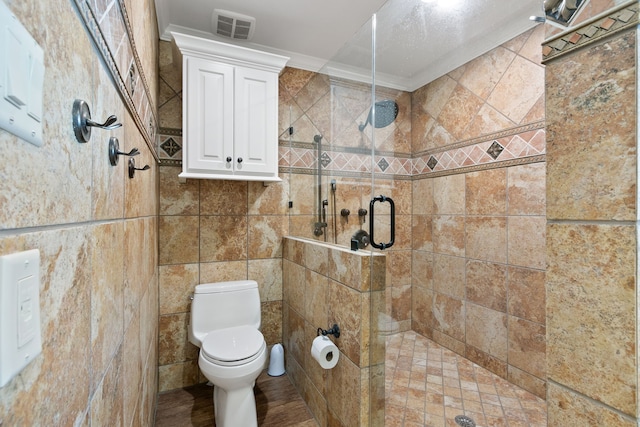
(376, 184)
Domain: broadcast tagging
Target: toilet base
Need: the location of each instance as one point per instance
(235, 408)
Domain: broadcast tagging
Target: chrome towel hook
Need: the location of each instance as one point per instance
(133, 168)
(82, 122)
(114, 151)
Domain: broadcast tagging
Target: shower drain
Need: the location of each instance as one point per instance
(464, 421)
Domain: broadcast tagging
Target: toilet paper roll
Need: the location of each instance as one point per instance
(325, 352)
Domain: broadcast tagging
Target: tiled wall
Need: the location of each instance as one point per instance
(323, 285)
(592, 255)
(212, 231)
(478, 266)
(96, 232)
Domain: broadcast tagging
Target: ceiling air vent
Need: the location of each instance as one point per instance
(233, 25)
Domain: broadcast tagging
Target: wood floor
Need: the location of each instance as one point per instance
(277, 404)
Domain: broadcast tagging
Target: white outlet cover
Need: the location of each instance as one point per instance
(20, 337)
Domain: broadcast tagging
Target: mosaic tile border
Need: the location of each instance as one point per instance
(522, 145)
(611, 22)
(108, 24)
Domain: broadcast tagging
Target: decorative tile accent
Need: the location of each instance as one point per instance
(432, 163)
(325, 159)
(618, 19)
(383, 165)
(171, 147)
(495, 150)
(110, 28)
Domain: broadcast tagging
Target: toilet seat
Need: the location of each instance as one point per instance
(234, 346)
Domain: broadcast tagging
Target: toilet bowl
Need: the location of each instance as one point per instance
(225, 318)
(232, 359)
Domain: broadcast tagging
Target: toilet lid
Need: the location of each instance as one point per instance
(232, 344)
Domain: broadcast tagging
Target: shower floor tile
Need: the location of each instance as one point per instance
(429, 385)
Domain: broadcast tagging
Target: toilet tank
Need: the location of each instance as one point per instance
(223, 305)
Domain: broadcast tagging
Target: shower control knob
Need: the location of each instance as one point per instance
(229, 159)
(362, 212)
(239, 159)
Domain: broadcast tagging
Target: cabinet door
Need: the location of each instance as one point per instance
(208, 125)
(256, 121)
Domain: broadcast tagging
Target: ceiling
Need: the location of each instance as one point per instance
(417, 41)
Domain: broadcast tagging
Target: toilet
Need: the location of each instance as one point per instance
(225, 318)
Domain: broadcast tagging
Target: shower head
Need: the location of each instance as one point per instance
(386, 113)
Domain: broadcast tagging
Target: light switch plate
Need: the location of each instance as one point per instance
(21, 79)
(20, 338)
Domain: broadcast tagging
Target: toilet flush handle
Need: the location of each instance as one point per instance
(191, 297)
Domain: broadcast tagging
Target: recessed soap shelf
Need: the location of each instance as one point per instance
(114, 151)
(82, 122)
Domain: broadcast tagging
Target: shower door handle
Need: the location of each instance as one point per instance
(382, 199)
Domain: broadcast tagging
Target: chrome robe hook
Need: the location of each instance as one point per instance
(133, 168)
(82, 122)
(114, 151)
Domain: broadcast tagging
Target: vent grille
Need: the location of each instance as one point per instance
(233, 25)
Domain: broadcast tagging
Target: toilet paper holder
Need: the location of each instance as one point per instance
(335, 331)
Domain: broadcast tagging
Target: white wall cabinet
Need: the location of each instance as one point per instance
(230, 111)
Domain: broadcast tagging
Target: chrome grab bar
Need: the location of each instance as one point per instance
(382, 246)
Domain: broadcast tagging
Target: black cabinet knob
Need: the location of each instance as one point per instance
(239, 159)
(229, 159)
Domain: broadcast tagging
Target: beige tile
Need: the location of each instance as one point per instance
(482, 74)
(449, 315)
(526, 381)
(271, 199)
(223, 271)
(526, 189)
(596, 180)
(486, 285)
(526, 241)
(422, 233)
(345, 309)
(268, 274)
(293, 285)
(459, 111)
(486, 330)
(398, 268)
(178, 198)
(107, 296)
(271, 313)
(518, 90)
(591, 271)
(178, 375)
(422, 269)
(486, 192)
(177, 282)
(344, 382)
(316, 258)
(526, 294)
(223, 238)
(316, 299)
(223, 197)
(449, 235)
(527, 346)
(449, 275)
(265, 236)
(106, 404)
(178, 239)
(449, 195)
(174, 346)
(569, 408)
(422, 197)
(486, 238)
